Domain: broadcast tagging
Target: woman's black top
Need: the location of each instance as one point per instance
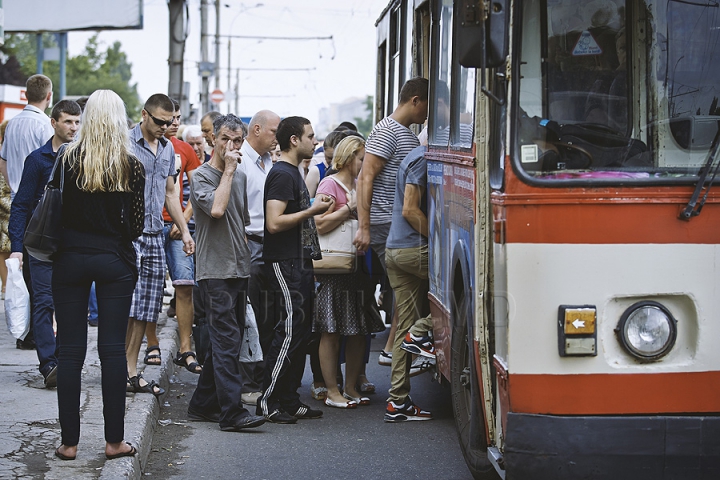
(103, 222)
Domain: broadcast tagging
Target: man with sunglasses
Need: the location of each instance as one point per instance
(157, 155)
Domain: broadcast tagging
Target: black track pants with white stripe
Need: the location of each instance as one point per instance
(290, 303)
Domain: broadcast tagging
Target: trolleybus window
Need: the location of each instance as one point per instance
(611, 89)
(453, 91)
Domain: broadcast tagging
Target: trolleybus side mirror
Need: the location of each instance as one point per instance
(477, 29)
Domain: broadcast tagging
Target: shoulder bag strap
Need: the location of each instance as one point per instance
(347, 191)
(58, 163)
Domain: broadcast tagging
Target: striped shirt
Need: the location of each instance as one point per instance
(391, 141)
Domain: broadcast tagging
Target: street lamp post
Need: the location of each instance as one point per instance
(229, 66)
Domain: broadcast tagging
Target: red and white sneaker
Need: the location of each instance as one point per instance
(423, 346)
(406, 412)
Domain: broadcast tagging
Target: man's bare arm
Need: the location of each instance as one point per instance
(276, 220)
(372, 166)
(412, 211)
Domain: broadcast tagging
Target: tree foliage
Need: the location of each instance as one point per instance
(96, 68)
(365, 125)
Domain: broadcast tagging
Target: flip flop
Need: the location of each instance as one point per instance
(149, 357)
(61, 456)
(130, 453)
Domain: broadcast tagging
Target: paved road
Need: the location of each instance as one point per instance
(353, 444)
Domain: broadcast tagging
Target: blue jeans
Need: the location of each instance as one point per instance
(42, 313)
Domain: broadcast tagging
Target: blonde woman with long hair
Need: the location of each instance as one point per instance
(341, 302)
(103, 211)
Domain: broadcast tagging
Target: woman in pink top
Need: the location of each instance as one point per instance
(340, 305)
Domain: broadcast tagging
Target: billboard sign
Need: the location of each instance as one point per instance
(32, 16)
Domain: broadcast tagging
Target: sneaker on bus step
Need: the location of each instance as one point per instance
(419, 345)
(421, 365)
(405, 412)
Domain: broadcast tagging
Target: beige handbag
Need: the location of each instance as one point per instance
(336, 246)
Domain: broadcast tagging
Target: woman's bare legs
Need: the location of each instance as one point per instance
(354, 363)
(328, 351)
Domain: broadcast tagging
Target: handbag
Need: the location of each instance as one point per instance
(42, 235)
(338, 252)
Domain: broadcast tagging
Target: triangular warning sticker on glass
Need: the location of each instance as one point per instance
(586, 45)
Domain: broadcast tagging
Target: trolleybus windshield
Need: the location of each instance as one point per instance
(614, 89)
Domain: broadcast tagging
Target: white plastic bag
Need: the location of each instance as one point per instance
(250, 350)
(17, 301)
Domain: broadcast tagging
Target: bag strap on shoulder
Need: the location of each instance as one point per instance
(58, 163)
(347, 191)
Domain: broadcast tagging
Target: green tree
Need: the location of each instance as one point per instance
(365, 125)
(94, 69)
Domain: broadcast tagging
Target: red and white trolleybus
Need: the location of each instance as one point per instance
(574, 228)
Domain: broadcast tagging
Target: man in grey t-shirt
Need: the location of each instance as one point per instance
(219, 199)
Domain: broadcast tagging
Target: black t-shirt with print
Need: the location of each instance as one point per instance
(285, 183)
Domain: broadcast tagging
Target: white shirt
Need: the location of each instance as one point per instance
(25, 133)
(251, 165)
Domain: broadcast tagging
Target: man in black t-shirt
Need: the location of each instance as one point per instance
(290, 245)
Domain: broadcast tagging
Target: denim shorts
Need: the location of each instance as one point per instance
(180, 266)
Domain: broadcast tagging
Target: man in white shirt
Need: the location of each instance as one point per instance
(26, 132)
(256, 163)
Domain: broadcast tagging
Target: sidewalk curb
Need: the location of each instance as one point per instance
(143, 410)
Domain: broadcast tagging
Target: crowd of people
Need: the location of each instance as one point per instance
(232, 214)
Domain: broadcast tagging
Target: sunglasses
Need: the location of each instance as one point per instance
(159, 122)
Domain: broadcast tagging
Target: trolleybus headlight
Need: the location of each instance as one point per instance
(647, 330)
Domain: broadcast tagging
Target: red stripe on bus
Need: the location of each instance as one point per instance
(606, 394)
(592, 223)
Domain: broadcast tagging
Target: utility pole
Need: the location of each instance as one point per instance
(217, 43)
(177, 52)
(205, 106)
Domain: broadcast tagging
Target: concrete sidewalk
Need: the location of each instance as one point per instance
(29, 427)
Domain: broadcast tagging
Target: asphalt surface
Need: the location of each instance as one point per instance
(351, 444)
(342, 444)
(29, 427)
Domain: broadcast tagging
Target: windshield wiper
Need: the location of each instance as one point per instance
(693, 208)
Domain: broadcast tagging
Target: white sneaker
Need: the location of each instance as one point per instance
(421, 365)
(250, 398)
(385, 358)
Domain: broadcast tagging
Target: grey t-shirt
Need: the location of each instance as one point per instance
(412, 171)
(222, 251)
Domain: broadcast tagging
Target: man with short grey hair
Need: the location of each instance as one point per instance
(217, 190)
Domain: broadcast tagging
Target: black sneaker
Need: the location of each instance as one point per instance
(405, 412)
(196, 416)
(51, 377)
(278, 416)
(303, 411)
(25, 345)
(248, 421)
(424, 346)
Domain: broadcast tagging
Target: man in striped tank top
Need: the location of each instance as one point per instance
(388, 144)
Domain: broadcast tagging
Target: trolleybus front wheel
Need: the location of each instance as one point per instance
(469, 418)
